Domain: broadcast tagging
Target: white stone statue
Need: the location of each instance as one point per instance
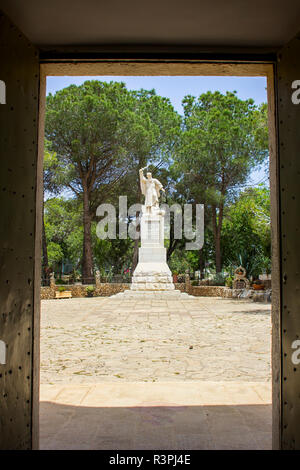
(150, 188)
(152, 272)
(152, 275)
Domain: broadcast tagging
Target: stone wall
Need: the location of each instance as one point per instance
(210, 291)
(47, 293)
(180, 286)
(107, 289)
(102, 290)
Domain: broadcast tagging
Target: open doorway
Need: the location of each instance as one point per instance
(195, 411)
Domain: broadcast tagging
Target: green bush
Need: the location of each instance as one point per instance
(61, 289)
(194, 283)
(228, 281)
(217, 280)
(90, 291)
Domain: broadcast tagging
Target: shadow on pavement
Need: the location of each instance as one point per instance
(155, 427)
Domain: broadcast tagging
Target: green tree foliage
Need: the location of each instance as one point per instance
(152, 129)
(64, 235)
(182, 261)
(112, 255)
(102, 133)
(64, 231)
(223, 139)
(98, 135)
(85, 127)
(56, 254)
(49, 185)
(246, 237)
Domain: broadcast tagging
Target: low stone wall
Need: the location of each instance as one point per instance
(210, 291)
(227, 293)
(79, 290)
(107, 289)
(180, 286)
(47, 293)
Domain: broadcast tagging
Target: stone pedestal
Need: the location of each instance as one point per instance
(152, 278)
(152, 272)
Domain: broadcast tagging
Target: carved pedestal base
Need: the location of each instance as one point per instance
(152, 272)
(153, 295)
(152, 277)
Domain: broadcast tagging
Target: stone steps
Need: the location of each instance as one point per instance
(154, 294)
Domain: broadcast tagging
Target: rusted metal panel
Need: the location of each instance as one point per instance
(19, 70)
(289, 184)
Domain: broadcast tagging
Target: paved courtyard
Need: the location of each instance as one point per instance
(91, 340)
(191, 374)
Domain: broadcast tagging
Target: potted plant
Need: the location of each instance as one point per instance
(90, 291)
(258, 285)
(62, 293)
(229, 281)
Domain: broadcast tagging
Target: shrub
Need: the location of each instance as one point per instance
(90, 291)
(217, 280)
(228, 281)
(61, 289)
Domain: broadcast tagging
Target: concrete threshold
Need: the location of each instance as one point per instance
(156, 415)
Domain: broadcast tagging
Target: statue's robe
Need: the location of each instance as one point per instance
(151, 190)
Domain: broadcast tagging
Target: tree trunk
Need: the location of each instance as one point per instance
(171, 248)
(217, 226)
(218, 253)
(45, 262)
(87, 255)
(135, 256)
(173, 241)
(201, 264)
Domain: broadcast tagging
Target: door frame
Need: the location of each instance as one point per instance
(168, 67)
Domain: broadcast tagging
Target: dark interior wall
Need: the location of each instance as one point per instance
(19, 69)
(289, 189)
(242, 23)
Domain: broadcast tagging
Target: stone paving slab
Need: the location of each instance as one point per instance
(136, 415)
(158, 394)
(91, 340)
(155, 374)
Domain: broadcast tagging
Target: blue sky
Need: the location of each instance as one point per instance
(175, 88)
